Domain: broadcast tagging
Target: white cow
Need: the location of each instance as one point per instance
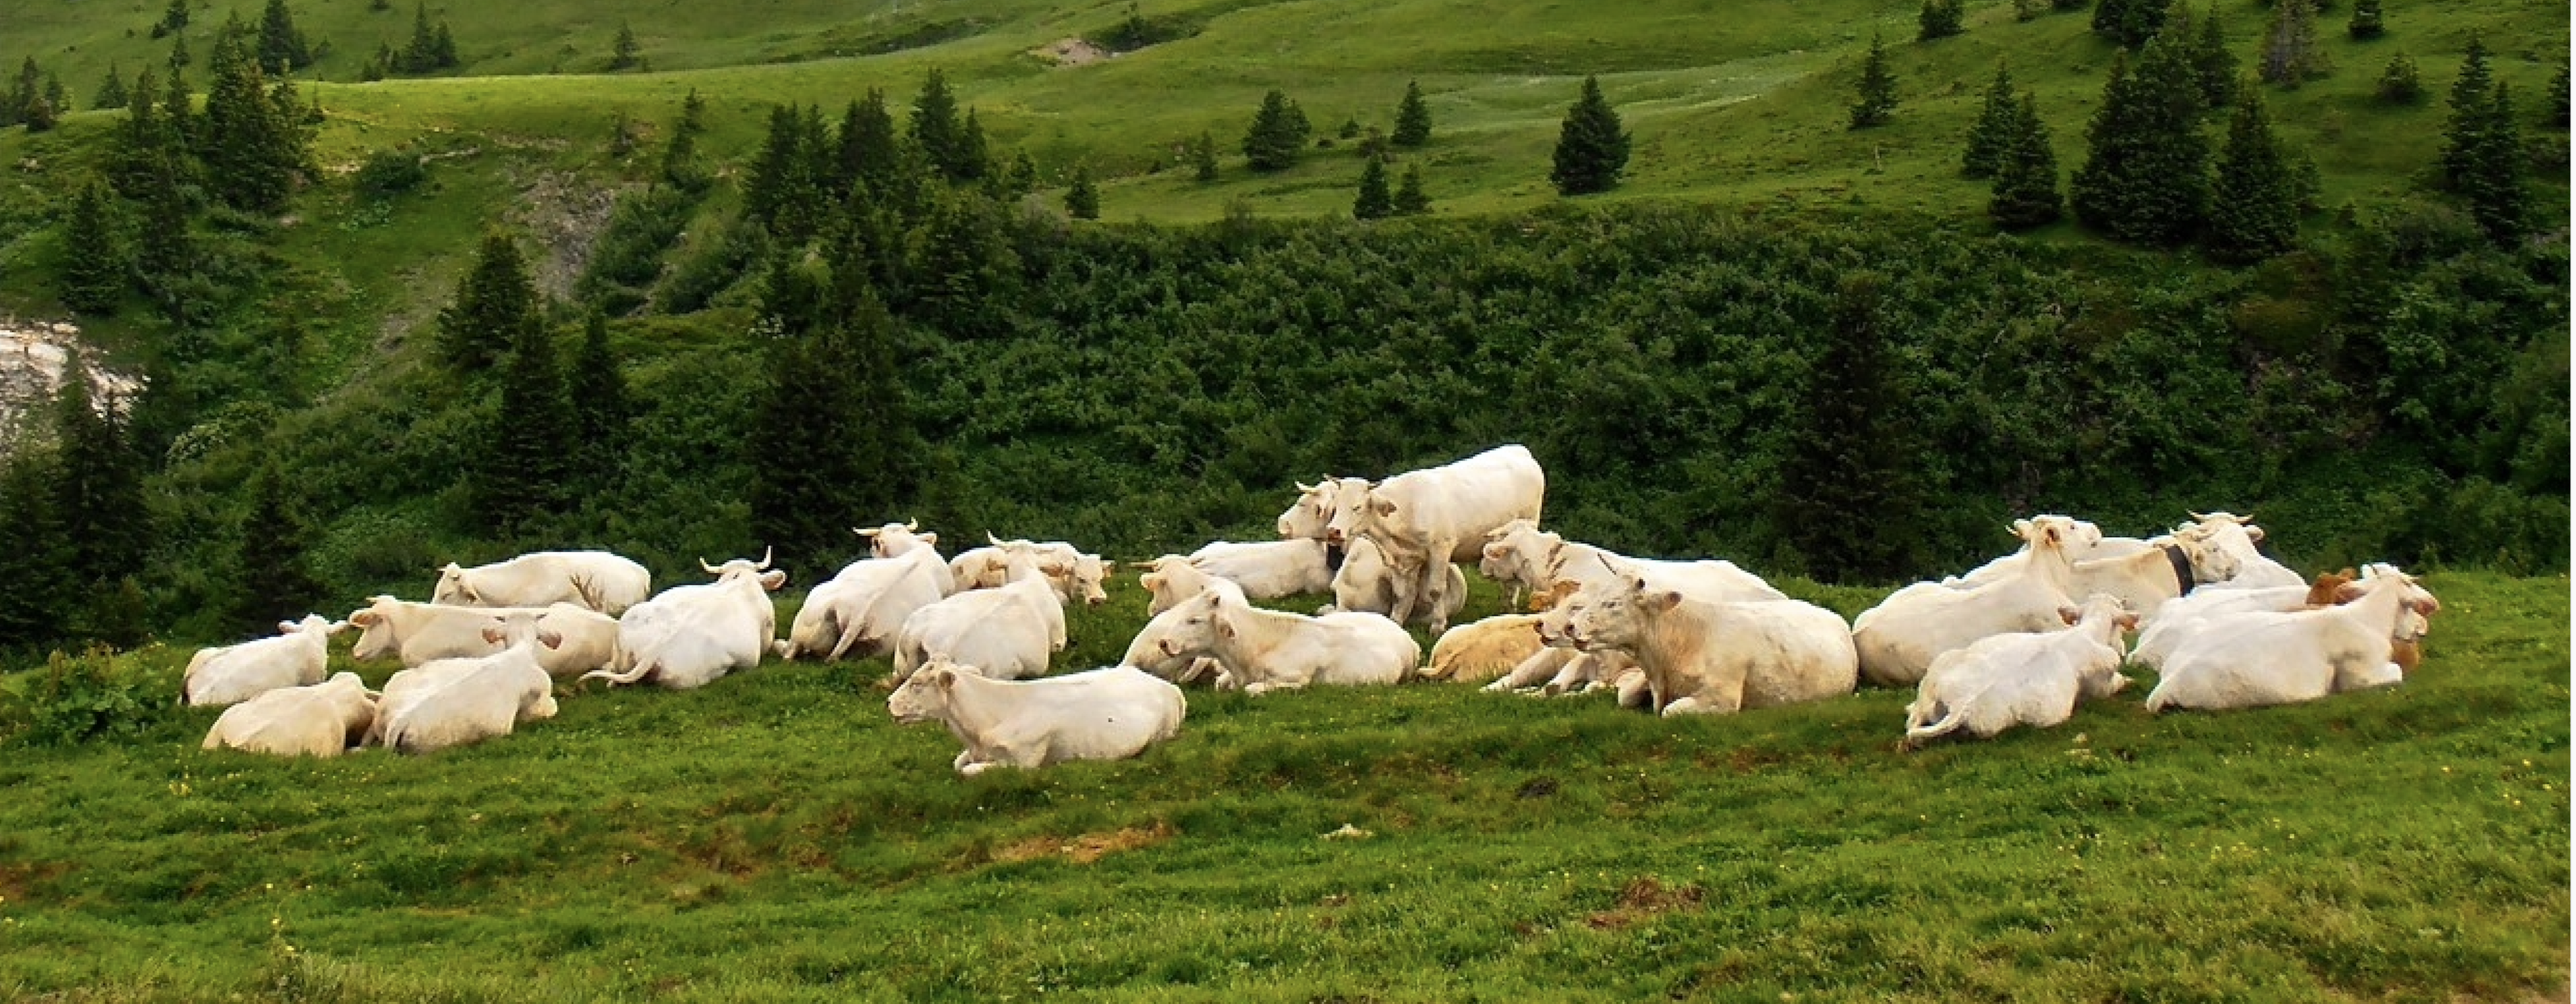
(418, 633)
(1368, 583)
(1426, 519)
(894, 540)
(1146, 651)
(1716, 658)
(1538, 560)
(1170, 579)
(2253, 659)
(2146, 580)
(298, 655)
(321, 720)
(689, 636)
(2022, 679)
(1900, 637)
(1270, 569)
(1266, 650)
(2237, 535)
(597, 580)
(859, 611)
(456, 702)
(1319, 506)
(2083, 540)
(1485, 649)
(1558, 669)
(1071, 572)
(1103, 714)
(1005, 633)
(2182, 618)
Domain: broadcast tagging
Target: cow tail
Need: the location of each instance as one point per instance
(1949, 723)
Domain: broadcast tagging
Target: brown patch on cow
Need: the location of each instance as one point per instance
(1087, 848)
(1645, 897)
(2321, 593)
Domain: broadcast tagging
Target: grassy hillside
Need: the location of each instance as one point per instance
(775, 837)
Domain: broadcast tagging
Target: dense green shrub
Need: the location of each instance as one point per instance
(388, 173)
(94, 695)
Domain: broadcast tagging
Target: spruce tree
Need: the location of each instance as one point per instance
(2145, 178)
(2464, 140)
(281, 47)
(1278, 134)
(1374, 202)
(1877, 89)
(1022, 178)
(494, 303)
(2399, 84)
(174, 18)
(2254, 206)
(95, 265)
(1849, 452)
(977, 158)
(1412, 118)
(2366, 23)
(1203, 158)
(597, 393)
(2484, 159)
(831, 434)
(1410, 199)
(165, 254)
(57, 97)
(938, 131)
(36, 584)
(421, 55)
(272, 580)
(783, 194)
(1082, 198)
(869, 152)
(2292, 55)
(1994, 130)
(1940, 19)
(2025, 181)
(2556, 113)
(680, 153)
(625, 53)
(1591, 148)
(2129, 23)
(111, 91)
(178, 108)
(442, 49)
(519, 475)
(24, 92)
(2217, 65)
(244, 141)
(99, 488)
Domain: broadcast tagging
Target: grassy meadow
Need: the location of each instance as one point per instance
(775, 837)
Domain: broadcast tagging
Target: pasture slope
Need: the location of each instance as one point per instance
(775, 837)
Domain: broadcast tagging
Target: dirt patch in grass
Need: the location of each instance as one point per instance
(1065, 52)
(1643, 898)
(1087, 848)
(18, 881)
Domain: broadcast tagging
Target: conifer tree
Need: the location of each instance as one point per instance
(520, 473)
(36, 585)
(174, 18)
(111, 91)
(868, 146)
(165, 255)
(1591, 148)
(783, 193)
(95, 265)
(273, 581)
(1022, 178)
(57, 96)
(1374, 202)
(2400, 84)
(1278, 134)
(938, 131)
(2217, 65)
(2557, 110)
(1940, 19)
(1994, 129)
(1082, 198)
(2129, 23)
(2464, 139)
(281, 46)
(2145, 179)
(625, 53)
(1412, 118)
(421, 55)
(962, 267)
(494, 303)
(1849, 450)
(1203, 158)
(680, 152)
(2482, 156)
(831, 432)
(597, 393)
(178, 55)
(442, 49)
(2366, 23)
(1410, 199)
(99, 488)
(2254, 206)
(1877, 89)
(248, 148)
(142, 140)
(976, 159)
(2291, 53)
(2025, 181)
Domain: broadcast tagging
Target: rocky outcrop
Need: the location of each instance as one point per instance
(32, 357)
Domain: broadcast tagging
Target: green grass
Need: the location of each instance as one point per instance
(776, 837)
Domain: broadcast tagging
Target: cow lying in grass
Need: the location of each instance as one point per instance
(1266, 650)
(1714, 658)
(1103, 714)
(2260, 658)
(2022, 679)
(321, 720)
(233, 673)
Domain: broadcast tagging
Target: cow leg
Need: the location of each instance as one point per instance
(1435, 581)
(1407, 588)
(1540, 665)
(1633, 692)
(1583, 666)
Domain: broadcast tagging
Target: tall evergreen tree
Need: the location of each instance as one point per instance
(165, 255)
(783, 194)
(1410, 199)
(246, 145)
(99, 490)
(57, 96)
(1591, 147)
(1021, 180)
(273, 580)
(2366, 22)
(178, 107)
(1877, 88)
(521, 473)
(2464, 142)
(962, 267)
(281, 46)
(2292, 55)
(1940, 19)
(494, 303)
(680, 153)
(1203, 158)
(2146, 178)
(2254, 207)
(111, 91)
(2399, 83)
(1278, 134)
(2483, 159)
(1375, 202)
(625, 53)
(938, 131)
(2129, 23)
(95, 264)
(36, 584)
(1994, 129)
(2217, 65)
(831, 433)
(869, 150)
(597, 393)
(174, 18)
(976, 159)
(2025, 181)
(1412, 118)
(2556, 113)
(421, 54)
(442, 49)
(1081, 197)
(1849, 450)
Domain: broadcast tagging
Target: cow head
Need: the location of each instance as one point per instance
(894, 540)
(2209, 562)
(1618, 615)
(515, 629)
(1089, 575)
(1196, 626)
(741, 566)
(1518, 551)
(924, 697)
(1313, 510)
(377, 636)
(454, 588)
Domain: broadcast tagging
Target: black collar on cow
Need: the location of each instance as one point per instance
(1333, 555)
(2181, 566)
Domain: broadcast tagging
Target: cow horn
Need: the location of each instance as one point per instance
(2198, 517)
(764, 558)
(1302, 487)
(702, 563)
(913, 524)
(868, 532)
(993, 540)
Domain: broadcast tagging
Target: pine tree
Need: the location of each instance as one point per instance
(680, 152)
(2483, 159)
(1940, 19)
(1082, 198)
(178, 109)
(99, 488)
(2366, 23)
(2145, 179)
(1877, 89)
(938, 131)
(174, 18)
(1849, 450)
(178, 55)
(1994, 129)
(1591, 148)
(1278, 134)
(249, 149)
(1203, 158)
(2557, 110)
(2465, 146)
(442, 49)
(1374, 202)
(494, 303)
(281, 47)
(977, 158)
(1412, 118)
(95, 265)
(2129, 23)
(1022, 179)
(868, 146)
(600, 404)
(111, 92)
(2025, 10)
(2254, 206)
(527, 454)
(2291, 53)
(2025, 182)
(1410, 199)
(36, 585)
(625, 53)
(783, 193)
(20, 104)
(57, 96)
(421, 55)
(165, 255)
(2399, 84)
(272, 581)
(962, 267)
(2217, 65)
(831, 433)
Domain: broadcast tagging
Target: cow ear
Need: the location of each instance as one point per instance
(944, 678)
(550, 639)
(2128, 622)
(288, 627)
(2347, 592)
(364, 618)
(772, 580)
(1383, 507)
(1225, 629)
(2255, 533)
(1664, 601)
(2070, 615)
(493, 636)
(2053, 536)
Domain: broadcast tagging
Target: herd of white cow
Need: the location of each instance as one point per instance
(2019, 641)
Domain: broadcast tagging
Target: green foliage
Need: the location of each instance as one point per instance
(2366, 24)
(2482, 155)
(111, 91)
(1592, 147)
(1081, 197)
(832, 439)
(1278, 134)
(1136, 31)
(98, 491)
(389, 173)
(174, 18)
(2399, 84)
(627, 259)
(625, 53)
(495, 304)
(2210, 56)
(95, 265)
(941, 135)
(785, 191)
(250, 141)
(282, 49)
(1410, 199)
(2292, 55)
(869, 151)
(1940, 19)
(2130, 23)
(2025, 182)
(95, 696)
(36, 580)
(1374, 201)
(521, 473)
(2254, 206)
(431, 49)
(2145, 178)
(1850, 452)
(2557, 110)
(1412, 118)
(1877, 89)
(271, 580)
(1995, 128)
(680, 168)
(1203, 158)
(602, 408)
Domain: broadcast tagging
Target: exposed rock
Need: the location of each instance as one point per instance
(32, 356)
